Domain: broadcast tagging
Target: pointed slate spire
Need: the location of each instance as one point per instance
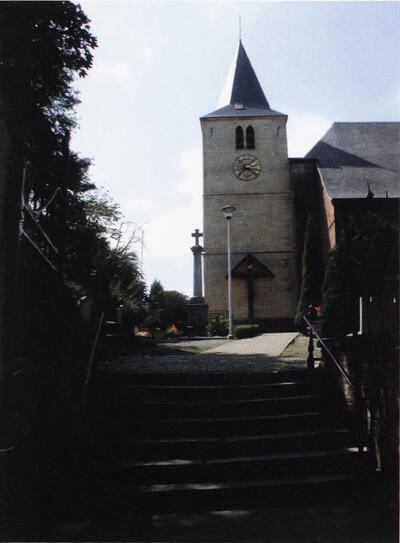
(242, 93)
(246, 88)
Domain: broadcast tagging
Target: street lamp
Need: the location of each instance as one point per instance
(228, 212)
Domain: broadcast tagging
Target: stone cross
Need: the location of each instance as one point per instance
(197, 234)
(197, 266)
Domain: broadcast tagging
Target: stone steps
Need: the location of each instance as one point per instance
(217, 447)
(218, 409)
(177, 470)
(211, 379)
(145, 500)
(198, 441)
(225, 426)
(201, 393)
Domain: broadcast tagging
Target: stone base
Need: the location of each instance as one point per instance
(197, 312)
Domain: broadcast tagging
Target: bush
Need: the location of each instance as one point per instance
(218, 327)
(152, 322)
(246, 330)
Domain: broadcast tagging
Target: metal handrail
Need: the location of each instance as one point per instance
(91, 365)
(337, 364)
(359, 396)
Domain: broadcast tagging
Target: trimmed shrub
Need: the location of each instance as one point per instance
(247, 330)
(218, 326)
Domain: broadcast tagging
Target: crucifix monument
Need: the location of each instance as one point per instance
(197, 251)
(197, 308)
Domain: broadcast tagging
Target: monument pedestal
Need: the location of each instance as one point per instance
(197, 316)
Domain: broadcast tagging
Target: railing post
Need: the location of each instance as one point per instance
(91, 365)
(362, 419)
(310, 359)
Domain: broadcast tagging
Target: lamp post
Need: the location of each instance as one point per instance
(228, 212)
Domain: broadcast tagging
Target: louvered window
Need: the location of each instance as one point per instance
(239, 138)
(250, 140)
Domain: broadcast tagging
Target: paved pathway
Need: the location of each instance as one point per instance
(239, 356)
(265, 344)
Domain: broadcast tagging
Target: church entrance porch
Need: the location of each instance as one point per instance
(249, 269)
(263, 288)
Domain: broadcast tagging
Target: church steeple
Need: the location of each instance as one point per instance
(244, 87)
(242, 94)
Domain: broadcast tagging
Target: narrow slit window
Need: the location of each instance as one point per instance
(250, 140)
(239, 138)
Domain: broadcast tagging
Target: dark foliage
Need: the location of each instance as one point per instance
(218, 326)
(165, 307)
(359, 265)
(311, 277)
(247, 330)
(45, 46)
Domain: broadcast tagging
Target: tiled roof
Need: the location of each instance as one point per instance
(354, 158)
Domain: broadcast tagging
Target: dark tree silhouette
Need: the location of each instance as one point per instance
(310, 290)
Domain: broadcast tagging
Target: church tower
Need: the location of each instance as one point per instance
(245, 164)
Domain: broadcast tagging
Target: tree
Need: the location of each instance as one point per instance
(335, 293)
(174, 308)
(46, 46)
(310, 290)
(156, 296)
(359, 265)
(43, 47)
(165, 307)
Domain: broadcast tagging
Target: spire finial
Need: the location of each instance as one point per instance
(240, 27)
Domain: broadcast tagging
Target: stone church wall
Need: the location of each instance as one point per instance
(263, 224)
(275, 297)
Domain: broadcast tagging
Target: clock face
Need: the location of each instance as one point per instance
(246, 167)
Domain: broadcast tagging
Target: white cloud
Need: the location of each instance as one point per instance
(214, 12)
(139, 207)
(118, 74)
(146, 54)
(168, 239)
(304, 130)
(191, 166)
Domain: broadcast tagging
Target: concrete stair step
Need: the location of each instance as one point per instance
(211, 378)
(228, 425)
(201, 393)
(211, 446)
(248, 406)
(233, 494)
(178, 470)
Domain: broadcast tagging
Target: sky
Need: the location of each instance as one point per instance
(161, 65)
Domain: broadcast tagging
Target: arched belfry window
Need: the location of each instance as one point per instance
(239, 138)
(250, 139)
